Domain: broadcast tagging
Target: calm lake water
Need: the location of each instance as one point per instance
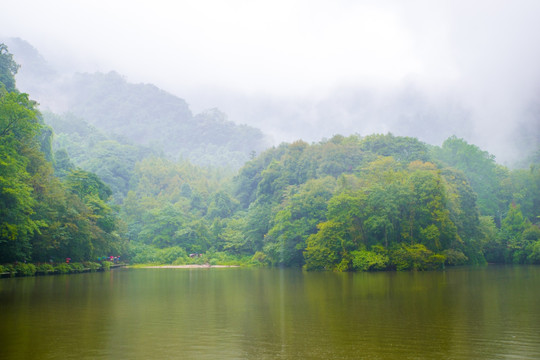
(466, 313)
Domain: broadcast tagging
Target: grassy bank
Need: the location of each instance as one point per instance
(28, 269)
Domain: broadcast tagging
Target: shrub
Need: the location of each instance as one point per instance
(10, 268)
(534, 253)
(93, 266)
(76, 267)
(364, 260)
(180, 261)
(416, 257)
(45, 268)
(106, 265)
(143, 254)
(455, 257)
(344, 265)
(171, 254)
(259, 258)
(22, 269)
(63, 268)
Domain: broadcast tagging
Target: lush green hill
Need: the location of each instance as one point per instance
(140, 113)
(43, 217)
(345, 204)
(382, 201)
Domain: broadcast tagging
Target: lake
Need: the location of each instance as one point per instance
(488, 312)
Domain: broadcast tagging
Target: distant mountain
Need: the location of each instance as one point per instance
(140, 113)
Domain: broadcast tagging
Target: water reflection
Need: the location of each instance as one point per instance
(462, 313)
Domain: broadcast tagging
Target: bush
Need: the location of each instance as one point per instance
(171, 254)
(92, 266)
(180, 261)
(22, 269)
(455, 257)
(10, 268)
(364, 260)
(63, 268)
(106, 265)
(416, 257)
(224, 258)
(143, 254)
(344, 265)
(198, 260)
(45, 268)
(76, 267)
(534, 253)
(259, 258)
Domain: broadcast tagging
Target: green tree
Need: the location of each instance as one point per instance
(512, 228)
(8, 69)
(325, 250)
(301, 211)
(486, 178)
(18, 128)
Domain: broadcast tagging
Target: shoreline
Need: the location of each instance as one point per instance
(192, 266)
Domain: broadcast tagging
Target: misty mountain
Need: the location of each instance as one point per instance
(510, 129)
(406, 111)
(79, 145)
(140, 113)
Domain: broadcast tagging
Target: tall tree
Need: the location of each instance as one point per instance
(8, 69)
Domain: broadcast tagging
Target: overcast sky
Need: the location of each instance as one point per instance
(220, 53)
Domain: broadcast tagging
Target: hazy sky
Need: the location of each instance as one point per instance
(220, 53)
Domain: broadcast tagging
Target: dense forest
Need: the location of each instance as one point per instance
(85, 184)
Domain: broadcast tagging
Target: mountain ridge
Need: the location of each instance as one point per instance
(142, 113)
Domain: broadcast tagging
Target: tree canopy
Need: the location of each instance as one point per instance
(69, 189)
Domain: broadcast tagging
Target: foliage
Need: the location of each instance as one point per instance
(93, 266)
(140, 253)
(416, 257)
(487, 179)
(8, 69)
(18, 126)
(76, 267)
(365, 260)
(348, 203)
(10, 268)
(260, 258)
(63, 268)
(534, 253)
(42, 217)
(23, 269)
(78, 144)
(44, 268)
(148, 116)
(172, 254)
(455, 257)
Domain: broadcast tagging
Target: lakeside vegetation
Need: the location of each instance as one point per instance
(29, 269)
(356, 203)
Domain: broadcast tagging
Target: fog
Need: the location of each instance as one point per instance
(312, 69)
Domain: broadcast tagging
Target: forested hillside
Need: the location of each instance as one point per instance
(43, 217)
(387, 202)
(356, 203)
(141, 114)
(112, 158)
